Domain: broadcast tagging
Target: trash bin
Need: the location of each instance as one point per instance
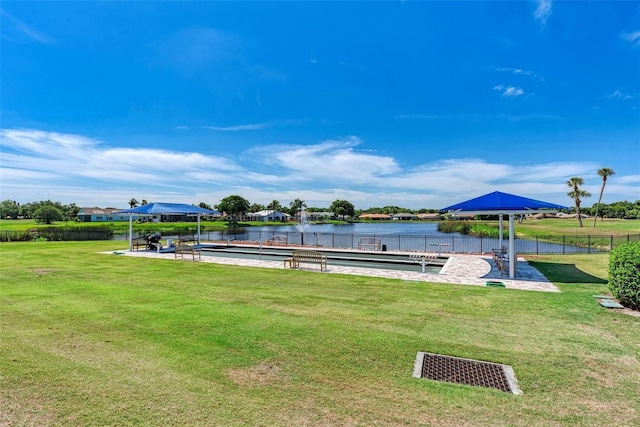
(384, 248)
(169, 243)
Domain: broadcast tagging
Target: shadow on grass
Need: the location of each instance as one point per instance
(565, 273)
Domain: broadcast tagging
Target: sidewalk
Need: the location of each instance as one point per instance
(473, 270)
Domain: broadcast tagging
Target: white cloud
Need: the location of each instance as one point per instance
(332, 160)
(479, 117)
(629, 179)
(253, 126)
(518, 72)
(509, 91)
(236, 128)
(66, 157)
(37, 165)
(513, 91)
(633, 38)
(543, 11)
(24, 29)
(618, 94)
(198, 47)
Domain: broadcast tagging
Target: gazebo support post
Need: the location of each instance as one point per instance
(500, 228)
(130, 232)
(198, 229)
(512, 252)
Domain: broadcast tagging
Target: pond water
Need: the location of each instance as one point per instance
(401, 236)
(384, 228)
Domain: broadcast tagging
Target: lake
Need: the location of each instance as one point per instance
(401, 236)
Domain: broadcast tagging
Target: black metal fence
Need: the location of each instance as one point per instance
(454, 243)
(564, 244)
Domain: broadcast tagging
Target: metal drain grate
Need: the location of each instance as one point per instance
(465, 371)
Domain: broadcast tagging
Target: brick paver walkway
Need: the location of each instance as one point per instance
(473, 270)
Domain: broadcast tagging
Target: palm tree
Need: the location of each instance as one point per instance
(296, 206)
(133, 203)
(604, 173)
(274, 206)
(577, 193)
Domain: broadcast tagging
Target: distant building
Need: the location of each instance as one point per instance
(404, 216)
(267, 215)
(102, 215)
(319, 216)
(108, 215)
(429, 216)
(375, 217)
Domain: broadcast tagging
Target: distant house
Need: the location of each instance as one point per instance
(267, 215)
(107, 215)
(375, 217)
(404, 216)
(541, 215)
(312, 216)
(319, 216)
(102, 215)
(574, 215)
(429, 216)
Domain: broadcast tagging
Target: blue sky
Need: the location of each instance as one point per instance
(414, 104)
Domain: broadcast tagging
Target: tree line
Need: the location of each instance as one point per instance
(236, 206)
(44, 211)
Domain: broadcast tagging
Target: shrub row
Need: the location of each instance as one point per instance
(472, 228)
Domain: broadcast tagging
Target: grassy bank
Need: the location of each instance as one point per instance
(94, 339)
(530, 228)
(552, 226)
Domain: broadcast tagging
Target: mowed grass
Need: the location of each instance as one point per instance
(570, 226)
(94, 339)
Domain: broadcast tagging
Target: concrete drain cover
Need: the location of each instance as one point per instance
(465, 371)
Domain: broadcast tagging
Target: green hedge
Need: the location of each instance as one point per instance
(472, 228)
(624, 274)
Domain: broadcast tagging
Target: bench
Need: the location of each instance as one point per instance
(502, 263)
(187, 239)
(499, 253)
(277, 240)
(182, 248)
(369, 243)
(139, 241)
(144, 242)
(299, 256)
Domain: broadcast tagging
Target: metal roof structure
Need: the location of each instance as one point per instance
(164, 209)
(501, 203)
(498, 203)
(167, 209)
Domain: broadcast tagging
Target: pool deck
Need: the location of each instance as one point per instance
(460, 269)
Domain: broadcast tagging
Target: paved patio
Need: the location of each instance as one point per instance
(473, 270)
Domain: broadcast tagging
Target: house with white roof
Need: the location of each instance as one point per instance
(268, 215)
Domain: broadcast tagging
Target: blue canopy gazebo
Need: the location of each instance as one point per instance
(165, 209)
(498, 203)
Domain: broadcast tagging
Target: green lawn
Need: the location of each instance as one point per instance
(94, 339)
(570, 226)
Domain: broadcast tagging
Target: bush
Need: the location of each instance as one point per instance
(485, 230)
(624, 274)
(47, 214)
(461, 227)
(73, 233)
(478, 229)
